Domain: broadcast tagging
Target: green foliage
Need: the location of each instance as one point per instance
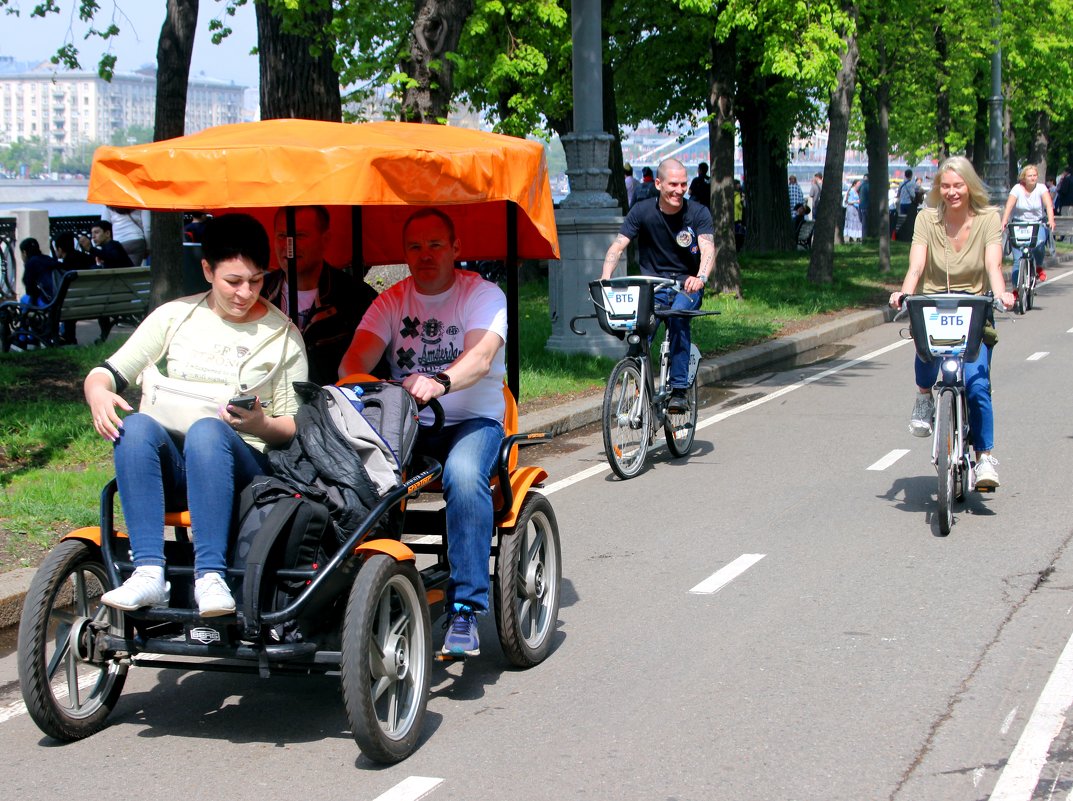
(134, 135)
(33, 153)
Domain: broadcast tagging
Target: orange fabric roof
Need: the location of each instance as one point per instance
(381, 166)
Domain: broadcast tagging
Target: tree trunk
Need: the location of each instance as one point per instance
(942, 93)
(876, 105)
(726, 276)
(295, 83)
(173, 53)
(436, 30)
(768, 224)
(821, 262)
(1041, 143)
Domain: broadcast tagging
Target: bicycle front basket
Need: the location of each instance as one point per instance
(1023, 235)
(624, 308)
(947, 324)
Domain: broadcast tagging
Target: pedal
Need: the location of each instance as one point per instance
(986, 489)
(442, 657)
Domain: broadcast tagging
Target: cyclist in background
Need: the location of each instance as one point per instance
(957, 247)
(1028, 202)
(676, 239)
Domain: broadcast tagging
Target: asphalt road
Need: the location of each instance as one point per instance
(849, 652)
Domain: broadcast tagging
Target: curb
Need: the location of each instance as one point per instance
(581, 412)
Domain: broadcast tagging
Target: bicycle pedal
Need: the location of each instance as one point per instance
(985, 489)
(442, 657)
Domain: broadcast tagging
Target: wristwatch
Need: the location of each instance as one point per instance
(444, 380)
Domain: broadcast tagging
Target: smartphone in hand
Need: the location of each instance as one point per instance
(243, 402)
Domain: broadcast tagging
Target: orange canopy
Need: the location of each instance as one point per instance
(382, 167)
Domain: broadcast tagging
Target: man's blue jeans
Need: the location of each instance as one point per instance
(977, 391)
(468, 453)
(207, 471)
(678, 331)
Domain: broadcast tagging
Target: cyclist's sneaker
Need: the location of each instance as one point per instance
(679, 403)
(986, 475)
(461, 639)
(1041, 275)
(145, 587)
(923, 414)
(212, 596)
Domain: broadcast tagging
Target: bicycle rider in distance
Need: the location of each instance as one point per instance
(1029, 200)
(957, 247)
(676, 239)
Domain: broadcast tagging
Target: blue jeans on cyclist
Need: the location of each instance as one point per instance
(977, 394)
(678, 335)
(1038, 253)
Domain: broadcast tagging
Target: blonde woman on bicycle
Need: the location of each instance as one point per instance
(1030, 202)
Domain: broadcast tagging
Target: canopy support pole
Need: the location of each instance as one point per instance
(292, 264)
(513, 331)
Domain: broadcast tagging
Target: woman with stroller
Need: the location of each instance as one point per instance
(233, 342)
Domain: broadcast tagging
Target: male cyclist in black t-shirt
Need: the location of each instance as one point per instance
(676, 239)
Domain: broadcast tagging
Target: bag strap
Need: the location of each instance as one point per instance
(278, 520)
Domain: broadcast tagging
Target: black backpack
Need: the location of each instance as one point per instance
(278, 528)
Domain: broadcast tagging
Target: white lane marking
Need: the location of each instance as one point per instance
(1010, 718)
(1019, 777)
(12, 710)
(1035, 357)
(595, 470)
(410, 789)
(727, 574)
(889, 459)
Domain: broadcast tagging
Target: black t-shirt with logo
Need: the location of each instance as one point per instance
(668, 243)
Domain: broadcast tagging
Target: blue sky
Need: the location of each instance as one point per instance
(35, 39)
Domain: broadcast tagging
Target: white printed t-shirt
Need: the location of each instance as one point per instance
(426, 334)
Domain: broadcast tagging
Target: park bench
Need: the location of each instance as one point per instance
(108, 296)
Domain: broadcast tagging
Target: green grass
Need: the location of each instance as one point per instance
(53, 464)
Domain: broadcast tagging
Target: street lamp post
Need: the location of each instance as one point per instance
(996, 161)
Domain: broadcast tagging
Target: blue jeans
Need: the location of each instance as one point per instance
(678, 332)
(157, 474)
(1039, 252)
(468, 453)
(977, 391)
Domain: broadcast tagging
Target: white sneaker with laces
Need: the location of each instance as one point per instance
(986, 474)
(923, 414)
(212, 596)
(145, 587)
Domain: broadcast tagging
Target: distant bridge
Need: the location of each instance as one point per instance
(19, 191)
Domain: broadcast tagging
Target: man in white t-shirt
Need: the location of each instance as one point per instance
(442, 331)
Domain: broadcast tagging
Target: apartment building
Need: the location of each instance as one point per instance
(69, 108)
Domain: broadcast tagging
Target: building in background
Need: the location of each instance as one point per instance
(68, 109)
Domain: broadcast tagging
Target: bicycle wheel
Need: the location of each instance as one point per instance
(626, 419)
(945, 460)
(1030, 286)
(682, 427)
(1023, 266)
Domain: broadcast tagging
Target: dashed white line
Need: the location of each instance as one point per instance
(411, 789)
(1021, 774)
(889, 459)
(1035, 357)
(727, 574)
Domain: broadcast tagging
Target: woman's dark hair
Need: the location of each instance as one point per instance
(231, 236)
(30, 247)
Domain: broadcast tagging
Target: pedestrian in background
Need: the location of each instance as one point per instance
(130, 228)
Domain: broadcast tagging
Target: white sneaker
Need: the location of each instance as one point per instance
(986, 475)
(212, 596)
(923, 414)
(145, 587)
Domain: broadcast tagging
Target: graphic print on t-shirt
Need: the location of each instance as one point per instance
(426, 346)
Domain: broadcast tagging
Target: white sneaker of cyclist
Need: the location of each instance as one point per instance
(145, 587)
(212, 596)
(986, 474)
(922, 416)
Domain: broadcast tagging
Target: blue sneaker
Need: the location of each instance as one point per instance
(461, 639)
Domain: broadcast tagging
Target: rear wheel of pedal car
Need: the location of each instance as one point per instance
(526, 589)
(386, 658)
(68, 690)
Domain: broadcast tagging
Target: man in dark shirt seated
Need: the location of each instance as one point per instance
(71, 258)
(331, 302)
(103, 248)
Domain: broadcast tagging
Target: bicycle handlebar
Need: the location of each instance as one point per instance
(903, 307)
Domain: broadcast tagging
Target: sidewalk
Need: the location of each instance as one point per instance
(566, 417)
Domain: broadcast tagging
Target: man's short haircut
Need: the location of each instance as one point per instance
(65, 240)
(104, 225)
(324, 219)
(231, 236)
(661, 168)
(908, 174)
(702, 168)
(420, 214)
